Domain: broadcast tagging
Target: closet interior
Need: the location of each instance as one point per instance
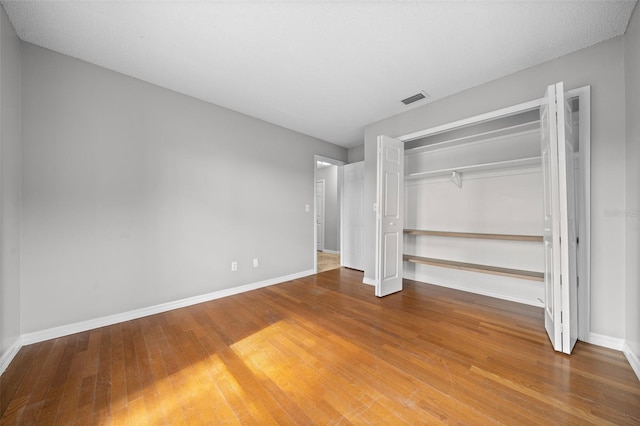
(474, 208)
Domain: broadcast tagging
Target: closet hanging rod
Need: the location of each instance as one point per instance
(506, 164)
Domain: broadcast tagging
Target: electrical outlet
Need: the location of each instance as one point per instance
(234, 266)
(255, 263)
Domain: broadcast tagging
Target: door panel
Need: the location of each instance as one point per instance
(351, 252)
(320, 214)
(558, 144)
(551, 212)
(389, 215)
(568, 235)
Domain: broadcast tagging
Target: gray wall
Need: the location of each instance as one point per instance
(10, 181)
(632, 80)
(355, 154)
(602, 67)
(331, 207)
(134, 195)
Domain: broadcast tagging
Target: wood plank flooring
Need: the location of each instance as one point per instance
(322, 350)
(327, 261)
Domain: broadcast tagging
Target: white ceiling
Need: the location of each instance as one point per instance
(325, 69)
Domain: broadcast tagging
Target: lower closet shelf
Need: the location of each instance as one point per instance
(516, 273)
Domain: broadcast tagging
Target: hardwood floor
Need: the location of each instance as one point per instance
(322, 350)
(327, 261)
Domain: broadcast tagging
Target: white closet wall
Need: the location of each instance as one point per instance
(509, 202)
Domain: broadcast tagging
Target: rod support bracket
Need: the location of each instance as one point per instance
(456, 178)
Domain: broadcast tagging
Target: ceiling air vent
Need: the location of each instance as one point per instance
(415, 98)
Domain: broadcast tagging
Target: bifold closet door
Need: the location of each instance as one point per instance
(560, 276)
(389, 215)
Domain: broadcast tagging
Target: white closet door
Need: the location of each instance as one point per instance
(557, 143)
(568, 224)
(551, 211)
(351, 252)
(389, 216)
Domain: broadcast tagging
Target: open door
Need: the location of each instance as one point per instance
(389, 216)
(551, 212)
(320, 214)
(352, 241)
(568, 224)
(560, 277)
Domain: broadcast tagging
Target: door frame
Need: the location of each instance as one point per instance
(333, 162)
(584, 185)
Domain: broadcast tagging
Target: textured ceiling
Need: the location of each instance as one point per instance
(325, 69)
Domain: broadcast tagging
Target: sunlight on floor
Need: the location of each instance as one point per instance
(194, 397)
(311, 380)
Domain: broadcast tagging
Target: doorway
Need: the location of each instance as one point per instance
(327, 213)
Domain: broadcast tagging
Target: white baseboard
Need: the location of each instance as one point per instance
(330, 251)
(633, 359)
(368, 281)
(9, 354)
(65, 330)
(474, 290)
(605, 341)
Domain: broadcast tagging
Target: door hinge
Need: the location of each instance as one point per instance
(577, 240)
(560, 317)
(578, 281)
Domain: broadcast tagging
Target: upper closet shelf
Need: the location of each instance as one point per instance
(520, 162)
(531, 127)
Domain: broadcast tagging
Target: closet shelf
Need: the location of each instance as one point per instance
(522, 128)
(515, 273)
(510, 237)
(520, 162)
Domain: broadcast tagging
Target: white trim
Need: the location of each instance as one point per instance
(633, 359)
(9, 354)
(515, 109)
(330, 251)
(81, 326)
(605, 341)
(368, 281)
(412, 276)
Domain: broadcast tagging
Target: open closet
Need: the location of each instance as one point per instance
(496, 204)
(473, 204)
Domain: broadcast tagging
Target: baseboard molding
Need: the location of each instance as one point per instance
(330, 251)
(605, 341)
(633, 359)
(9, 354)
(368, 281)
(474, 290)
(65, 330)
